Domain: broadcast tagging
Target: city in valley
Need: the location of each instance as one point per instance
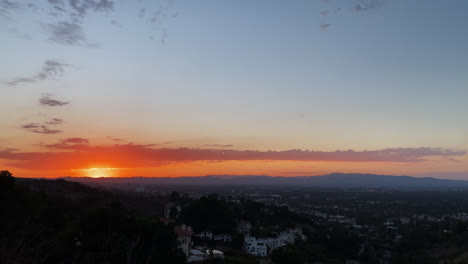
(134, 220)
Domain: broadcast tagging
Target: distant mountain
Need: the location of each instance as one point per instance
(329, 180)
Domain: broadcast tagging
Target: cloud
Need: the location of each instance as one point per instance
(60, 9)
(219, 145)
(55, 121)
(31, 126)
(83, 6)
(56, 2)
(43, 128)
(324, 27)
(19, 80)
(116, 23)
(366, 5)
(70, 32)
(83, 155)
(115, 139)
(66, 33)
(51, 69)
(325, 12)
(68, 144)
(49, 101)
(10, 4)
(142, 13)
(40, 129)
(75, 140)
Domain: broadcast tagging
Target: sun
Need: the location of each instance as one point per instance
(98, 172)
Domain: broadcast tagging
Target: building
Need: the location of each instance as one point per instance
(226, 238)
(254, 246)
(264, 246)
(184, 236)
(204, 235)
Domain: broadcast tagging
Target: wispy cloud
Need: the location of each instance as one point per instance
(115, 139)
(54, 121)
(66, 33)
(219, 145)
(40, 129)
(43, 128)
(51, 69)
(69, 32)
(7, 6)
(68, 144)
(83, 6)
(142, 13)
(324, 27)
(47, 100)
(83, 155)
(366, 5)
(75, 140)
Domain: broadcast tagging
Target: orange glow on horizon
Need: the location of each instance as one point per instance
(98, 172)
(271, 168)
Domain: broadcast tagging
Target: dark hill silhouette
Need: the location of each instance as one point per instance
(329, 180)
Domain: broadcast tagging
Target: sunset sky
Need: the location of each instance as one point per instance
(158, 88)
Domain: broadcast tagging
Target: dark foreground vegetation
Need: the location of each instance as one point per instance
(59, 221)
(43, 221)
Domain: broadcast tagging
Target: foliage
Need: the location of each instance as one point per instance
(209, 214)
(6, 181)
(45, 221)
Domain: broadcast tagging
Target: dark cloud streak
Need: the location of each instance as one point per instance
(51, 69)
(65, 33)
(366, 5)
(49, 101)
(79, 154)
(43, 128)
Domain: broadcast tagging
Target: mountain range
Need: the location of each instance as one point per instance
(329, 180)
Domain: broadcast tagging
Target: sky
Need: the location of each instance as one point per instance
(119, 88)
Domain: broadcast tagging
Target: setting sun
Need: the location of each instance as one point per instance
(98, 172)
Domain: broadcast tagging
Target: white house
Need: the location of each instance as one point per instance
(254, 246)
(184, 236)
(264, 246)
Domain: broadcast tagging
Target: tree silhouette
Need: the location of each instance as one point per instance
(6, 181)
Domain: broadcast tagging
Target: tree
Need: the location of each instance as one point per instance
(237, 240)
(6, 181)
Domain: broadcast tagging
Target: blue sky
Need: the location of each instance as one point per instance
(264, 75)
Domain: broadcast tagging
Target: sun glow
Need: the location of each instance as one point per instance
(99, 172)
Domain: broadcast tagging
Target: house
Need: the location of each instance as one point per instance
(184, 236)
(208, 235)
(244, 227)
(264, 246)
(226, 238)
(254, 246)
